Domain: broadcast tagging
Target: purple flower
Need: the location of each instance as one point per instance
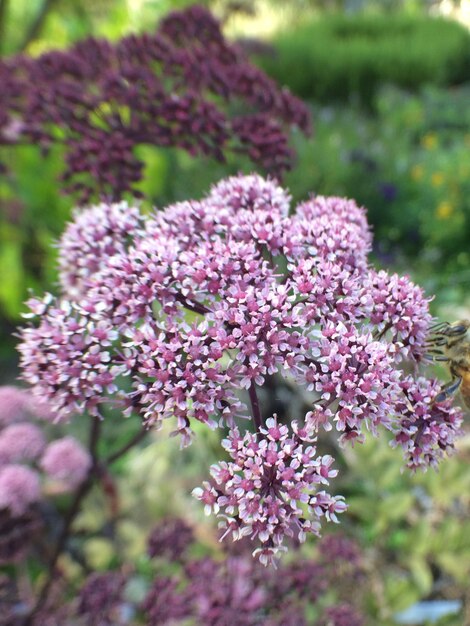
(165, 603)
(338, 551)
(388, 190)
(17, 533)
(182, 86)
(401, 310)
(235, 597)
(178, 374)
(66, 460)
(101, 598)
(341, 615)
(334, 229)
(238, 590)
(19, 488)
(356, 374)
(263, 490)
(170, 539)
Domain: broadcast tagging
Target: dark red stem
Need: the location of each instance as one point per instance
(257, 418)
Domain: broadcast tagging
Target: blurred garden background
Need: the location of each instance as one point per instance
(388, 86)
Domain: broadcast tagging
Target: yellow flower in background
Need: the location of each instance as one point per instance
(417, 172)
(429, 141)
(444, 210)
(437, 179)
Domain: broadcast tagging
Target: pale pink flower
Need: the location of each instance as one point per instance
(66, 461)
(19, 488)
(13, 405)
(21, 442)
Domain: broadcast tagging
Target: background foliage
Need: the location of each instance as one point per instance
(343, 57)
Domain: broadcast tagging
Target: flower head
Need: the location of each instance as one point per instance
(173, 87)
(66, 460)
(96, 234)
(19, 488)
(170, 539)
(426, 429)
(21, 442)
(188, 313)
(13, 405)
(268, 486)
(401, 310)
(334, 229)
(67, 357)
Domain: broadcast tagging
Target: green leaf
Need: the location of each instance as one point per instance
(421, 574)
(12, 282)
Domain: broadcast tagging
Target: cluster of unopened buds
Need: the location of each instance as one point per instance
(188, 313)
(183, 86)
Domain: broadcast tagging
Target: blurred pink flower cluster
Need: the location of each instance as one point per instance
(186, 314)
(27, 459)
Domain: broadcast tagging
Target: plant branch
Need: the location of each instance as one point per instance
(130, 444)
(80, 494)
(96, 469)
(191, 305)
(257, 418)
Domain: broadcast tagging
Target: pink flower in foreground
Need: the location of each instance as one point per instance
(96, 234)
(19, 488)
(66, 460)
(68, 358)
(192, 313)
(269, 485)
(426, 429)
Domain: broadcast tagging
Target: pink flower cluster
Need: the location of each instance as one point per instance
(25, 453)
(68, 356)
(269, 485)
(90, 240)
(426, 429)
(186, 313)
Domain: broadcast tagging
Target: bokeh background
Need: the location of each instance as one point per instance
(388, 83)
